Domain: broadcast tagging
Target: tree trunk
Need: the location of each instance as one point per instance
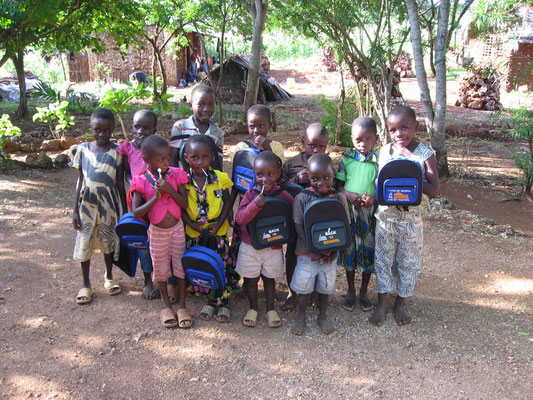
(438, 139)
(421, 76)
(18, 61)
(154, 73)
(258, 11)
(162, 70)
(340, 111)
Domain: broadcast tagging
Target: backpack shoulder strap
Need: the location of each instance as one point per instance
(250, 144)
(310, 192)
(273, 194)
(149, 178)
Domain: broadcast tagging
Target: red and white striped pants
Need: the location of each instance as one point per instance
(166, 245)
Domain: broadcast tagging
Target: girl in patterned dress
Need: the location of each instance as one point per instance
(209, 204)
(399, 233)
(356, 179)
(100, 199)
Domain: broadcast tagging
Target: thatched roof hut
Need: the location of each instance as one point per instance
(234, 82)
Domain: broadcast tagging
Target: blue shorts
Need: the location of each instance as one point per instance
(146, 260)
(312, 275)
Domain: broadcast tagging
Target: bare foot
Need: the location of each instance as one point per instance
(400, 314)
(298, 328)
(150, 293)
(378, 317)
(290, 303)
(326, 326)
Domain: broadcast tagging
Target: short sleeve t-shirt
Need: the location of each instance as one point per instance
(300, 202)
(199, 210)
(135, 157)
(358, 172)
(187, 127)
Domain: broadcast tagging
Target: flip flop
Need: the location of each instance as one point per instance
(290, 303)
(172, 291)
(207, 312)
(250, 319)
(85, 295)
(168, 318)
(223, 315)
(184, 318)
(273, 319)
(349, 304)
(112, 287)
(363, 306)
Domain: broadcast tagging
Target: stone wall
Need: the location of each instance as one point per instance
(520, 67)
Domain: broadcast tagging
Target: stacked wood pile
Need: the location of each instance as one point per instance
(403, 66)
(326, 60)
(479, 92)
(265, 63)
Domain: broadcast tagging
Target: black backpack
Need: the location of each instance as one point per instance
(399, 183)
(216, 162)
(243, 175)
(326, 225)
(273, 225)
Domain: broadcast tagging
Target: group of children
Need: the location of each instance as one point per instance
(188, 202)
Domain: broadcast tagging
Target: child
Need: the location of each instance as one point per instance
(315, 140)
(209, 203)
(162, 189)
(100, 199)
(314, 271)
(398, 232)
(356, 179)
(143, 125)
(203, 108)
(266, 263)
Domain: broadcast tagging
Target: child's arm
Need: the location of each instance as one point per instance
(226, 208)
(431, 186)
(248, 209)
(197, 226)
(120, 187)
(355, 198)
(76, 220)
(179, 196)
(140, 208)
(174, 156)
(262, 143)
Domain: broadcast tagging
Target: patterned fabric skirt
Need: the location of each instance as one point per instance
(218, 297)
(363, 230)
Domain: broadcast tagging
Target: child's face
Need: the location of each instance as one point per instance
(314, 143)
(199, 156)
(266, 174)
(258, 125)
(142, 127)
(363, 140)
(160, 159)
(402, 129)
(321, 177)
(101, 130)
(203, 106)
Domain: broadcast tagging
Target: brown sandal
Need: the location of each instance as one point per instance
(184, 318)
(168, 318)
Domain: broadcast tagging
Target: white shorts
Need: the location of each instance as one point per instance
(252, 263)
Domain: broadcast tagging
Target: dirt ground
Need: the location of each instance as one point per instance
(471, 336)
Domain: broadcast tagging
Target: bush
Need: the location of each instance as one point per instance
(6, 129)
(329, 120)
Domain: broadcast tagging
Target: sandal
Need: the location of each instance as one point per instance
(207, 312)
(184, 318)
(223, 314)
(250, 319)
(349, 304)
(172, 291)
(168, 318)
(273, 319)
(85, 295)
(112, 287)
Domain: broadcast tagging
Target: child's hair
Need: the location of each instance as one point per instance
(103, 114)
(259, 109)
(365, 123)
(403, 110)
(202, 89)
(269, 157)
(147, 114)
(151, 143)
(321, 160)
(317, 128)
(196, 139)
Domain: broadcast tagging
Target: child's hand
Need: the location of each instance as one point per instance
(316, 257)
(197, 226)
(76, 221)
(303, 176)
(262, 143)
(260, 201)
(213, 229)
(163, 186)
(231, 221)
(354, 198)
(369, 201)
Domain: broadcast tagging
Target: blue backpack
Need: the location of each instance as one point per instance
(204, 267)
(133, 235)
(399, 183)
(243, 176)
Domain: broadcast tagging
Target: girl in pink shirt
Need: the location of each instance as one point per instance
(159, 192)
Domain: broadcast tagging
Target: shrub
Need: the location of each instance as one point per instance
(6, 129)
(55, 112)
(329, 119)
